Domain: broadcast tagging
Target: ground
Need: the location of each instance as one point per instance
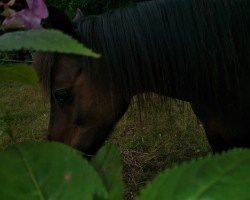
(158, 137)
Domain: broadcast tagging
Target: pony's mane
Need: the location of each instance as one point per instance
(199, 41)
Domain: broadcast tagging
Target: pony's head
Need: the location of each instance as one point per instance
(84, 107)
(83, 111)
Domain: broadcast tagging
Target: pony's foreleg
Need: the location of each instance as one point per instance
(216, 128)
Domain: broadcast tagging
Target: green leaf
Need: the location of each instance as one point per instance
(19, 72)
(47, 171)
(107, 163)
(43, 40)
(225, 176)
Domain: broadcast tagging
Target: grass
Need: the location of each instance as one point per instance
(151, 141)
(162, 136)
(23, 113)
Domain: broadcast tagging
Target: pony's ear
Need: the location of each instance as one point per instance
(59, 20)
(78, 15)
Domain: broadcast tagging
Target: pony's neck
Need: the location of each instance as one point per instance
(145, 50)
(157, 83)
(168, 47)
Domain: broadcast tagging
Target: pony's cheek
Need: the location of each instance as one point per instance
(60, 128)
(77, 135)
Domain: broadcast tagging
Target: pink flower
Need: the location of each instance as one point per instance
(28, 18)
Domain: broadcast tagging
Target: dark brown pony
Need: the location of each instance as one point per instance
(194, 50)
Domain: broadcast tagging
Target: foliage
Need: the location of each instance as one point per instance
(18, 72)
(223, 176)
(51, 170)
(43, 40)
(47, 171)
(108, 164)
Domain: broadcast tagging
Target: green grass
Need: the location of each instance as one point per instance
(162, 136)
(23, 113)
(157, 138)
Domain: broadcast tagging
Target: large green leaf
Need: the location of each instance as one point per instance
(43, 40)
(225, 176)
(47, 171)
(18, 72)
(107, 163)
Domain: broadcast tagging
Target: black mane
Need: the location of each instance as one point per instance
(189, 45)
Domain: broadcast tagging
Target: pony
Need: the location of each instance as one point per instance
(193, 50)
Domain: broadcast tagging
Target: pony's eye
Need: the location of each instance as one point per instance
(63, 96)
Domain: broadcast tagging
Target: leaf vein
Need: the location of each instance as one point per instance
(33, 178)
(209, 185)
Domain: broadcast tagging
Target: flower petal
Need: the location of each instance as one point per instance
(39, 8)
(11, 2)
(23, 19)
